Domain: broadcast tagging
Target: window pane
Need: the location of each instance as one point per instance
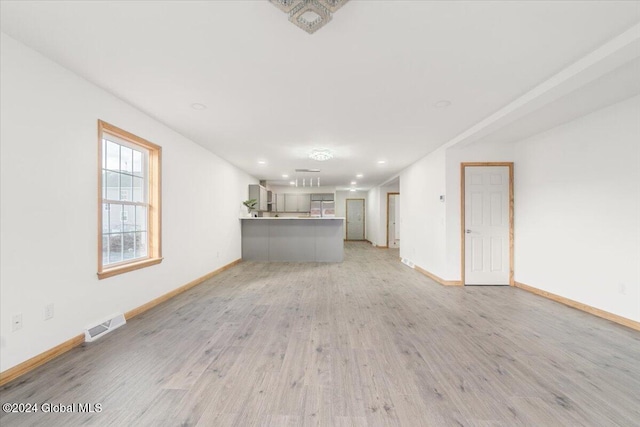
(104, 184)
(137, 163)
(105, 250)
(138, 189)
(126, 159)
(113, 156)
(115, 248)
(125, 187)
(113, 185)
(128, 239)
(128, 218)
(115, 222)
(141, 218)
(105, 217)
(104, 153)
(141, 245)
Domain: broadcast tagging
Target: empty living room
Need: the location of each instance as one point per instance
(320, 213)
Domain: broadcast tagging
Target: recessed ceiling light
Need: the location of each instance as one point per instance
(285, 175)
(359, 175)
(292, 182)
(443, 103)
(353, 183)
(198, 106)
(262, 162)
(382, 162)
(353, 189)
(321, 154)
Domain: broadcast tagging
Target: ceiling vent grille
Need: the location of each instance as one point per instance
(113, 322)
(308, 170)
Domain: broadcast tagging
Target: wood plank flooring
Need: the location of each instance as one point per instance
(367, 342)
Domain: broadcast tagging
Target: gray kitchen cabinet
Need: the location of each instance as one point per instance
(297, 202)
(280, 203)
(322, 197)
(304, 202)
(290, 202)
(259, 193)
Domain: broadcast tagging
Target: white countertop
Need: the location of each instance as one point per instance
(294, 217)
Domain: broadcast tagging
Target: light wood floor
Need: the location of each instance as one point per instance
(365, 342)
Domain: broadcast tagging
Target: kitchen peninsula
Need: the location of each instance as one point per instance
(292, 239)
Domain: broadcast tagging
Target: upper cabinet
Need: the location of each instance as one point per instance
(304, 202)
(322, 197)
(297, 202)
(280, 203)
(290, 202)
(259, 193)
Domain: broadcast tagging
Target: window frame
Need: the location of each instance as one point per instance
(154, 200)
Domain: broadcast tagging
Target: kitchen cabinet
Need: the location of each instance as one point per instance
(322, 197)
(290, 202)
(304, 202)
(279, 203)
(271, 201)
(259, 193)
(294, 202)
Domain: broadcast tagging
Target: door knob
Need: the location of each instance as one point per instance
(467, 231)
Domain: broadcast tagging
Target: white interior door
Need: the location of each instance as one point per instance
(394, 217)
(355, 219)
(486, 225)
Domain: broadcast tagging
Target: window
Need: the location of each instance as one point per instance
(129, 202)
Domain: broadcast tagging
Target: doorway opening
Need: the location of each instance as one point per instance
(393, 220)
(486, 232)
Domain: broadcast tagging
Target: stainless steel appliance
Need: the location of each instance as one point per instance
(321, 208)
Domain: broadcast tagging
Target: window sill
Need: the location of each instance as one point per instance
(114, 271)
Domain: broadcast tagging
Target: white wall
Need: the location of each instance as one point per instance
(423, 216)
(577, 207)
(48, 205)
(430, 228)
(372, 218)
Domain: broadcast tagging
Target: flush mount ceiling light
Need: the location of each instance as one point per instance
(321, 154)
(443, 103)
(359, 175)
(262, 162)
(382, 162)
(310, 15)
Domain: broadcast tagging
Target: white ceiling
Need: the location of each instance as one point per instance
(364, 86)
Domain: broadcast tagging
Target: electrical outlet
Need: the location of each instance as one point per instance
(48, 311)
(16, 322)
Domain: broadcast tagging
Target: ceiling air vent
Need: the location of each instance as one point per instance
(308, 170)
